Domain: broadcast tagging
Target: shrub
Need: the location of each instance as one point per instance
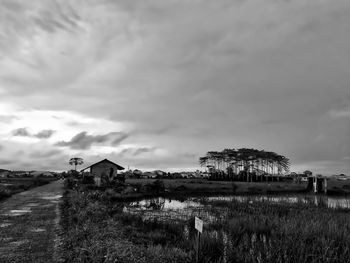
(88, 179)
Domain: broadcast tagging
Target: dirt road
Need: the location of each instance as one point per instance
(29, 225)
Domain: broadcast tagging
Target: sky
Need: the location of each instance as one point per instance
(155, 84)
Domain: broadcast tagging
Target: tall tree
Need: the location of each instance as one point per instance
(76, 161)
(247, 160)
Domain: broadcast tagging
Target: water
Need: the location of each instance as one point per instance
(165, 204)
(170, 209)
(167, 209)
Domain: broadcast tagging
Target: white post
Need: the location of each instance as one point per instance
(315, 184)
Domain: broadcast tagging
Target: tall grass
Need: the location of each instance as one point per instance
(97, 230)
(265, 232)
(92, 233)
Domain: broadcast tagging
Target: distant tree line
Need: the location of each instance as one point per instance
(249, 162)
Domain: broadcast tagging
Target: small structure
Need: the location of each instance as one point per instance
(318, 184)
(103, 168)
(46, 174)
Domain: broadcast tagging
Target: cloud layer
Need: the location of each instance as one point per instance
(84, 141)
(175, 79)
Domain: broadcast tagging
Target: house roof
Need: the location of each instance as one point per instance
(104, 160)
(4, 170)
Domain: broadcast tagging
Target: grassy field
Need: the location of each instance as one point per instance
(11, 186)
(214, 186)
(205, 187)
(97, 229)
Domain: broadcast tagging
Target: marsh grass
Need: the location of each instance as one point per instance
(97, 230)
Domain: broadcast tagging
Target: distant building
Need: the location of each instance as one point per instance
(42, 174)
(4, 173)
(20, 174)
(159, 173)
(149, 175)
(342, 177)
(103, 168)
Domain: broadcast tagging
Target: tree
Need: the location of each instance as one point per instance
(76, 161)
(247, 161)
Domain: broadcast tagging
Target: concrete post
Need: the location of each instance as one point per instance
(315, 184)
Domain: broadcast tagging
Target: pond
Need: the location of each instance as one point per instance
(172, 209)
(242, 234)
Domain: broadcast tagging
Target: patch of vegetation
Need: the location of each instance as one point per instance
(96, 230)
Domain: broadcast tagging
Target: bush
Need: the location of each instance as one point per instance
(88, 179)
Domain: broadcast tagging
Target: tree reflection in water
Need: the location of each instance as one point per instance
(155, 203)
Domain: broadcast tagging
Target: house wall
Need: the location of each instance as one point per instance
(104, 167)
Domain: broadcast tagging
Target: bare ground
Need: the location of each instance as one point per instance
(29, 225)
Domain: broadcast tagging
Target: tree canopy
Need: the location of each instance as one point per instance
(76, 161)
(246, 159)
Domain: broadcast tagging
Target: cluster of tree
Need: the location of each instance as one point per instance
(245, 160)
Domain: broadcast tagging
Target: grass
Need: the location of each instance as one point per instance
(11, 186)
(196, 187)
(97, 229)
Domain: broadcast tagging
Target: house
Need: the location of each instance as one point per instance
(20, 174)
(46, 174)
(4, 173)
(341, 177)
(103, 168)
(149, 175)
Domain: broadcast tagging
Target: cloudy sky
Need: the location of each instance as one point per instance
(155, 84)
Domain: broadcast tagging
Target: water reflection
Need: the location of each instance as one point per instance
(161, 203)
(171, 209)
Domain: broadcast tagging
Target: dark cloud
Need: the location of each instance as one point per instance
(45, 134)
(22, 132)
(135, 151)
(142, 150)
(84, 141)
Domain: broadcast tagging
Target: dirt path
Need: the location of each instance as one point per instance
(29, 225)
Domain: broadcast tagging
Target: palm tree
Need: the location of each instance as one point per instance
(76, 161)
